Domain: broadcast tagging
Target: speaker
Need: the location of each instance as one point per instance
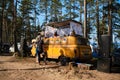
(105, 46)
(104, 65)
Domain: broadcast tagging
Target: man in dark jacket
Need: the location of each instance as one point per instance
(39, 49)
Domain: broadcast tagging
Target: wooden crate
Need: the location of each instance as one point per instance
(84, 66)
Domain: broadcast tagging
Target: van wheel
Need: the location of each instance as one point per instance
(62, 60)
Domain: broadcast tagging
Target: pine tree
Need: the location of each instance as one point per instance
(26, 8)
(70, 9)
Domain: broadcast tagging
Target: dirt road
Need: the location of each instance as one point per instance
(12, 68)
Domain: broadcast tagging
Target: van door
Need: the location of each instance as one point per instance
(49, 48)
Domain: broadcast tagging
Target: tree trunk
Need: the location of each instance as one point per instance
(3, 21)
(110, 22)
(81, 12)
(97, 23)
(85, 19)
(1, 27)
(14, 25)
(46, 11)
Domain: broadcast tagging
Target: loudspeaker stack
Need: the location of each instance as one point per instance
(104, 61)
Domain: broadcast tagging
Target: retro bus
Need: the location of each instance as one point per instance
(71, 47)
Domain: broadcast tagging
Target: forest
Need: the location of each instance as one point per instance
(25, 18)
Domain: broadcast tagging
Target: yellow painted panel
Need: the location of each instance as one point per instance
(70, 47)
(56, 51)
(50, 51)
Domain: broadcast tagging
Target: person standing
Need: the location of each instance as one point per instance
(33, 49)
(39, 48)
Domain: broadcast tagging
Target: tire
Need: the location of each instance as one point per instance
(63, 60)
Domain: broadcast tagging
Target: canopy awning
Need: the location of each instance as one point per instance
(62, 24)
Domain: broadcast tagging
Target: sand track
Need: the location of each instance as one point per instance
(12, 68)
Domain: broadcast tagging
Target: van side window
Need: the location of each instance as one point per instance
(51, 41)
(57, 41)
(64, 40)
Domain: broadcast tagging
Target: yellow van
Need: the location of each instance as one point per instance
(71, 47)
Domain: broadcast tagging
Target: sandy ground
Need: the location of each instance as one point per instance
(12, 68)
